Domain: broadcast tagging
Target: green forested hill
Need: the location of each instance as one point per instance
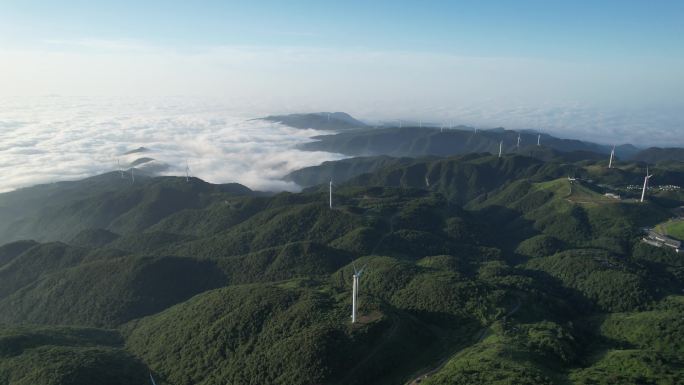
(356, 138)
(60, 211)
(318, 121)
(657, 155)
(623, 174)
(64, 355)
(478, 270)
(425, 141)
(343, 170)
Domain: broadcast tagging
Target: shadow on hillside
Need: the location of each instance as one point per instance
(507, 227)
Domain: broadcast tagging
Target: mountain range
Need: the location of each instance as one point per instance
(359, 139)
(478, 269)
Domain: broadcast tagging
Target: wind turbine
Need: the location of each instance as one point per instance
(612, 154)
(646, 178)
(118, 164)
(330, 194)
(500, 148)
(187, 171)
(539, 139)
(132, 176)
(355, 291)
(518, 144)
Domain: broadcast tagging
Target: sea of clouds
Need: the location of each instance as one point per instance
(53, 138)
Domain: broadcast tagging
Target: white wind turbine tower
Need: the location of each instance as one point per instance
(646, 178)
(330, 194)
(355, 291)
(539, 139)
(517, 145)
(118, 164)
(132, 176)
(187, 171)
(500, 148)
(612, 154)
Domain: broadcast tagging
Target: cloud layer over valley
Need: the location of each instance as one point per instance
(49, 139)
(54, 138)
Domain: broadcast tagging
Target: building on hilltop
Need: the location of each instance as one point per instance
(656, 239)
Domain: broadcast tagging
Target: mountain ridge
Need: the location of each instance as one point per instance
(367, 141)
(499, 268)
(318, 120)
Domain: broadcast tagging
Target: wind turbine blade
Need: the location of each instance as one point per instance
(152, 379)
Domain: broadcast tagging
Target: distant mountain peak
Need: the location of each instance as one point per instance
(318, 120)
(140, 161)
(658, 154)
(138, 150)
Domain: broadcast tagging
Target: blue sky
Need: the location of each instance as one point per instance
(539, 28)
(375, 58)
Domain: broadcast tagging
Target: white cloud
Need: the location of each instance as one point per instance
(286, 76)
(605, 101)
(48, 139)
(101, 45)
(45, 139)
(643, 127)
(52, 138)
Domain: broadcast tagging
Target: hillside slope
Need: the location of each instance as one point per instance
(61, 211)
(477, 270)
(318, 121)
(429, 141)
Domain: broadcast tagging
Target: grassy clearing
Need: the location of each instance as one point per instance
(575, 192)
(673, 228)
